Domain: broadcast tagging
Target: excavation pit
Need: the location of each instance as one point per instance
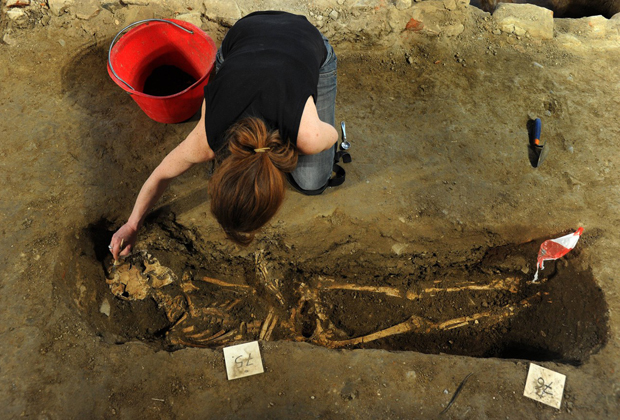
(177, 291)
(568, 9)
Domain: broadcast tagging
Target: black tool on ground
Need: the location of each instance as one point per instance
(456, 394)
(538, 149)
(341, 152)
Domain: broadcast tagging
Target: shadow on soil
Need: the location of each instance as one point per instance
(120, 145)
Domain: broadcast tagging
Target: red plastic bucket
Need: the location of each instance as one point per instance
(154, 43)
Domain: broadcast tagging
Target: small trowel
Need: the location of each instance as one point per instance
(345, 145)
(538, 148)
(343, 153)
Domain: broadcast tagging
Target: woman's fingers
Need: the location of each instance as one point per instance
(122, 242)
(116, 247)
(126, 251)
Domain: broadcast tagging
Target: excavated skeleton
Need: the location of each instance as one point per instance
(138, 276)
(207, 312)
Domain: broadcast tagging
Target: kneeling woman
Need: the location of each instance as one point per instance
(269, 111)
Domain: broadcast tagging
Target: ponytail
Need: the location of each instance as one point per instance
(248, 186)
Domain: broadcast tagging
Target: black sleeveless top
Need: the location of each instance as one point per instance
(271, 67)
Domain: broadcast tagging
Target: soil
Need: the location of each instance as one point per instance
(436, 230)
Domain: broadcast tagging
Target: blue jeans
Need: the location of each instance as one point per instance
(313, 171)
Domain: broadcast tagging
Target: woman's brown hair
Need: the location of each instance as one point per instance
(248, 186)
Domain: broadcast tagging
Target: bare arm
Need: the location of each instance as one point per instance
(314, 135)
(194, 149)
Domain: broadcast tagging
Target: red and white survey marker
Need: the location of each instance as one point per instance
(552, 249)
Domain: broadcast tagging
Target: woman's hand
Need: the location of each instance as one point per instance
(123, 241)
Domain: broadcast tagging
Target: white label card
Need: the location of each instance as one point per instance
(243, 360)
(544, 385)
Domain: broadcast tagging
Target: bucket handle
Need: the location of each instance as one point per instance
(129, 26)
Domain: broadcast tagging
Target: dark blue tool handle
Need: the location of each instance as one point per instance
(537, 130)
